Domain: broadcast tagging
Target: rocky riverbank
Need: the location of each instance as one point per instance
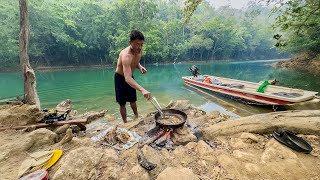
(211, 147)
(309, 62)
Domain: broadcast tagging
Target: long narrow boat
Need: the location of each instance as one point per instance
(246, 92)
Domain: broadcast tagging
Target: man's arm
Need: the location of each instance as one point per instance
(126, 63)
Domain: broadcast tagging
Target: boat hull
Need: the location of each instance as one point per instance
(239, 95)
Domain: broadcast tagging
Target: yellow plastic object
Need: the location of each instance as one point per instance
(56, 156)
(37, 160)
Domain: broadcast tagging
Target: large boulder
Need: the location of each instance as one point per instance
(82, 163)
(34, 140)
(42, 137)
(19, 115)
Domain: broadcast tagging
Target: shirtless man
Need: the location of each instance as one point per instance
(125, 85)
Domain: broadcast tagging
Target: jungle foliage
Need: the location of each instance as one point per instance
(296, 21)
(82, 32)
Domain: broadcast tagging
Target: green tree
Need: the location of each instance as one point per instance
(299, 23)
(77, 32)
(9, 21)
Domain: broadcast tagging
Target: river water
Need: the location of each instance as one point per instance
(93, 88)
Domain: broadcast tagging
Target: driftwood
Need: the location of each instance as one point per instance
(299, 122)
(80, 123)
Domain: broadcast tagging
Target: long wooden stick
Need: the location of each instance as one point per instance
(79, 122)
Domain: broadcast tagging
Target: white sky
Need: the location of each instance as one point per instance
(238, 4)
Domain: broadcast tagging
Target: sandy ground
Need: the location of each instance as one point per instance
(209, 146)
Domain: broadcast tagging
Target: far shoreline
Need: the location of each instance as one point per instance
(61, 67)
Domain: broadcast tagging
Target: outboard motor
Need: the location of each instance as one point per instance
(195, 70)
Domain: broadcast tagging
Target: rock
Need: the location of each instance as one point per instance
(67, 138)
(275, 152)
(232, 153)
(216, 172)
(152, 155)
(230, 164)
(238, 143)
(33, 114)
(182, 130)
(64, 106)
(179, 104)
(12, 147)
(90, 116)
(62, 129)
(182, 136)
(165, 153)
(41, 137)
(111, 173)
(199, 122)
(19, 143)
(244, 155)
(175, 173)
(17, 115)
(138, 172)
(224, 117)
(203, 148)
(195, 113)
(93, 174)
(81, 163)
(180, 150)
(285, 163)
(249, 138)
(214, 115)
(252, 168)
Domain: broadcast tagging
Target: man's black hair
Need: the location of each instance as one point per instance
(135, 34)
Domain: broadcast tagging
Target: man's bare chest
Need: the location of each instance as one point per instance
(135, 62)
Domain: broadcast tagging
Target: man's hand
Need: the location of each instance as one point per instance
(143, 70)
(146, 94)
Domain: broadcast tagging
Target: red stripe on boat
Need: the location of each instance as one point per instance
(221, 90)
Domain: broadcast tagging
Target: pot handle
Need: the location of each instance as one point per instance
(155, 103)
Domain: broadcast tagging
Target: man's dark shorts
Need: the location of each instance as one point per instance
(124, 92)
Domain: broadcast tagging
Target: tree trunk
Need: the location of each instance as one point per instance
(183, 33)
(30, 93)
(214, 48)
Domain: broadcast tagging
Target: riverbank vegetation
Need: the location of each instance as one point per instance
(83, 32)
(299, 26)
(297, 23)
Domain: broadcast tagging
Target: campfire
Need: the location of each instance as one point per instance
(160, 136)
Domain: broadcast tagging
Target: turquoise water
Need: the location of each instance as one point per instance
(93, 89)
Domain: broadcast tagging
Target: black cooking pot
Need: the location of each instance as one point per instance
(171, 112)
